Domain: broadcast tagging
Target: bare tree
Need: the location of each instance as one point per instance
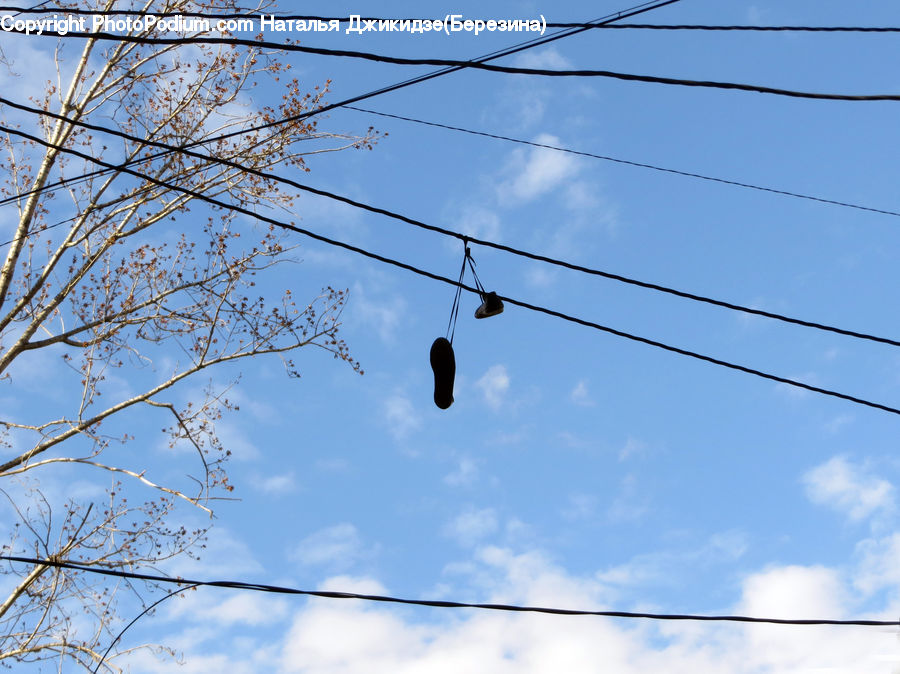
(93, 275)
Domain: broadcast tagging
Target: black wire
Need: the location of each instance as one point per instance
(483, 65)
(38, 8)
(619, 333)
(140, 615)
(276, 589)
(627, 162)
(521, 46)
(446, 232)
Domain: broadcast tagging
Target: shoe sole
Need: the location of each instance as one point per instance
(443, 362)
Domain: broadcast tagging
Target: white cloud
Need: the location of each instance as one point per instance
(729, 545)
(472, 526)
(580, 395)
(849, 489)
(262, 411)
(478, 222)
(536, 172)
(838, 422)
(380, 640)
(540, 277)
(283, 483)
(331, 636)
(235, 440)
(632, 447)
(548, 58)
(224, 556)
(665, 566)
(754, 321)
(336, 465)
(878, 564)
(757, 16)
(797, 392)
(580, 196)
(523, 105)
(383, 315)
(330, 215)
(630, 504)
(464, 475)
(341, 639)
(516, 437)
(581, 507)
(801, 592)
(40, 371)
(339, 546)
(27, 70)
(494, 384)
(400, 416)
(245, 608)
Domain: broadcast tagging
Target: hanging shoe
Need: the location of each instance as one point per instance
(443, 362)
(491, 305)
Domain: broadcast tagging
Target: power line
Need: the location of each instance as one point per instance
(627, 162)
(483, 65)
(470, 239)
(147, 610)
(375, 256)
(327, 594)
(39, 8)
(634, 10)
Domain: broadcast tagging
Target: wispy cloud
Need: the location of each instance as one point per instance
(632, 447)
(536, 172)
(580, 395)
(581, 506)
(850, 489)
(472, 526)
(663, 566)
(630, 504)
(383, 314)
(477, 221)
(797, 392)
(328, 635)
(337, 547)
(542, 58)
(464, 475)
(281, 483)
(494, 384)
(400, 416)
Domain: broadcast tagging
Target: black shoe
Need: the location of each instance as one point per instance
(491, 305)
(443, 363)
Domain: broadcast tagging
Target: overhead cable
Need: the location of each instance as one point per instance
(464, 237)
(328, 594)
(483, 65)
(635, 10)
(628, 162)
(550, 312)
(145, 611)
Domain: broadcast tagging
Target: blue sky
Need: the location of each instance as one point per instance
(577, 469)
